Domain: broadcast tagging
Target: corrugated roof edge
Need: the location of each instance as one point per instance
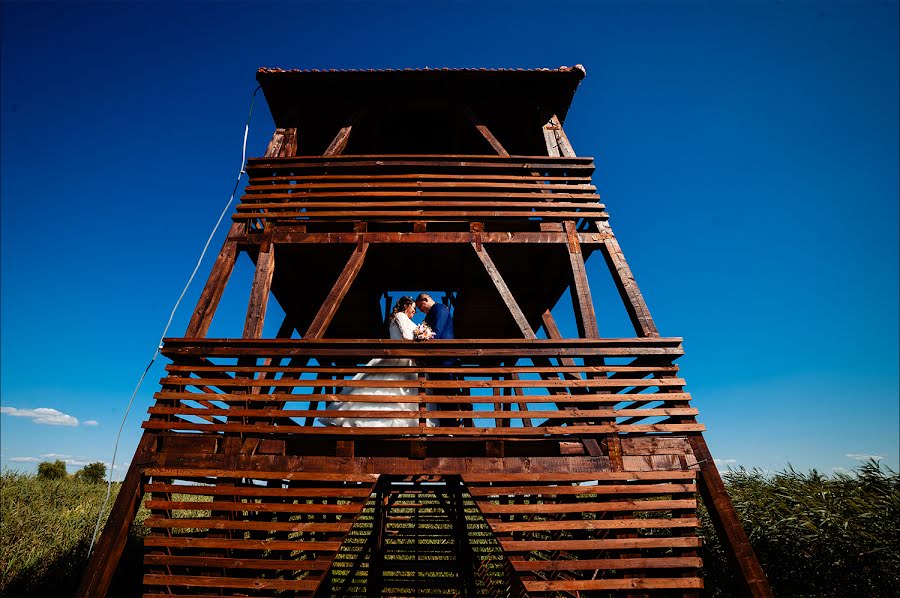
(578, 70)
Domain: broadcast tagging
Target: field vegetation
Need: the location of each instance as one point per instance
(815, 535)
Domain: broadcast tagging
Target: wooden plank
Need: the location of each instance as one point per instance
(108, 550)
(726, 521)
(291, 202)
(568, 414)
(586, 319)
(259, 293)
(260, 507)
(598, 507)
(215, 285)
(339, 143)
(584, 476)
(596, 490)
(594, 524)
(331, 304)
(205, 581)
(504, 291)
(636, 583)
(264, 475)
(625, 283)
(321, 185)
(596, 564)
(508, 399)
(272, 564)
(256, 491)
(411, 214)
(609, 544)
(240, 544)
(482, 371)
(555, 135)
(266, 428)
(241, 524)
(224, 383)
(485, 132)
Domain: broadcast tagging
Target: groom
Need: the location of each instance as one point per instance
(437, 315)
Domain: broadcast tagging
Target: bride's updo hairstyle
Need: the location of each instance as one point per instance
(402, 304)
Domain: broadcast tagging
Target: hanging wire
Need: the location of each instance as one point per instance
(159, 345)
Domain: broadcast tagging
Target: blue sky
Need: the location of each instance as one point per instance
(747, 152)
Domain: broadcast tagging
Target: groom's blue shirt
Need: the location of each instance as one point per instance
(440, 320)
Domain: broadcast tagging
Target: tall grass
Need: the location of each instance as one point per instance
(45, 532)
(814, 535)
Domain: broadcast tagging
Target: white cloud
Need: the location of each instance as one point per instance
(842, 470)
(725, 461)
(24, 459)
(90, 422)
(42, 415)
(859, 457)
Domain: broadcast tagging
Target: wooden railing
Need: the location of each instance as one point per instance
(423, 188)
(498, 388)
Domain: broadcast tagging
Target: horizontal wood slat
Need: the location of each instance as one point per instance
(636, 583)
(434, 431)
(204, 581)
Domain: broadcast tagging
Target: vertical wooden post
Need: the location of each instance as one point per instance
(581, 291)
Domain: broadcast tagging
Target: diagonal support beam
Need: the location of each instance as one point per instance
(338, 292)
(485, 132)
(504, 291)
(625, 283)
(339, 143)
(105, 557)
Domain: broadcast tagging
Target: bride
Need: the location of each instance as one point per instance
(401, 327)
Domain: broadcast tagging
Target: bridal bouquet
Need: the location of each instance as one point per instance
(423, 332)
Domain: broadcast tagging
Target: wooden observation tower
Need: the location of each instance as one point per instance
(577, 463)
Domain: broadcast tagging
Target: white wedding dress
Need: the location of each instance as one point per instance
(401, 328)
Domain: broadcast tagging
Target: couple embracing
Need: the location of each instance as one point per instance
(438, 324)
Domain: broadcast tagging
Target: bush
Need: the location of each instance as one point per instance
(95, 473)
(52, 471)
(814, 535)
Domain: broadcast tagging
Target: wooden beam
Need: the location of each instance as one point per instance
(259, 292)
(581, 291)
(339, 143)
(625, 283)
(725, 520)
(485, 132)
(283, 143)
(215, 285)
(108, 549)
(556, 139)
(504, 291)
(338, 292)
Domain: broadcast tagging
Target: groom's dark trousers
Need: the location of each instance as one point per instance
(441, 323)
